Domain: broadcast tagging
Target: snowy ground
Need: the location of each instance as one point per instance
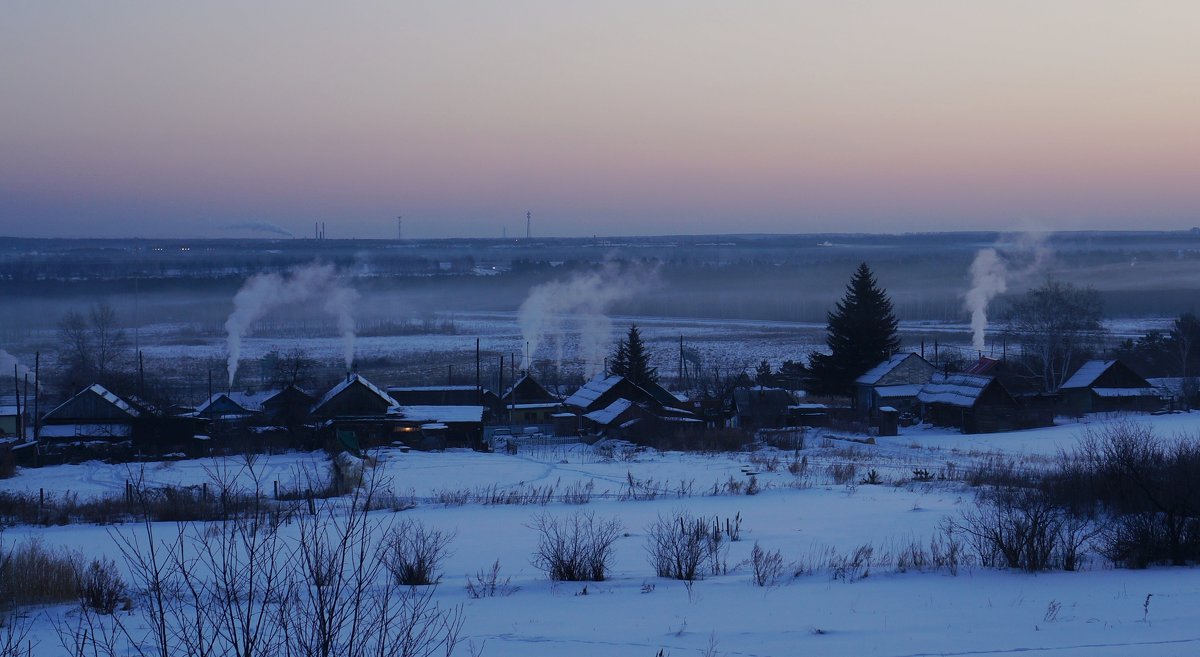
(1098, 611)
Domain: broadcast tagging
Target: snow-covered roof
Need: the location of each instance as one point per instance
(429, 388)
(591, 391)
(1126, 392)
(8, 410)
(107, 396)
(443, 414)
(533, 406)
(1087, 374)
(881, 370)
(891, 392)
(955, 390)
(341, 387)
(251, 401)
(605, 416)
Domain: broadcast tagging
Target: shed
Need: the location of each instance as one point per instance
(761, 408)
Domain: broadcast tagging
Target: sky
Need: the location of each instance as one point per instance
(620, 117)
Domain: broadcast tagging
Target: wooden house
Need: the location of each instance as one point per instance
(895, 382)
(94, 414)
(970, 402)
(529, 402)
(287, 407)
(355, 411)
(1105, 386)
(760, 408)
(602, 390)
(448, 396)
(439, 427)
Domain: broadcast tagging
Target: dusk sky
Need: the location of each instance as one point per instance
(186, 119)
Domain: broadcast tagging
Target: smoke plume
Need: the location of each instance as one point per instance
(1015, 257)
(582, 299)
(261, 227)
(7, 362)
(263, 293)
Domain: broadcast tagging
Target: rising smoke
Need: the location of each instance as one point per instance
(1013, 259)
(266, 292)
(261, 227)
(8, 362)
(583, 299)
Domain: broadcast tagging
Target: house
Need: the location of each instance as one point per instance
(895, 382)
(529, 402)
(760, 408)
(601, 391)
(287, 407)
(1104, 386)
(233, 406)
(439, 427)
(355, 411)
(447, 396)
(642, 423)
(93, 414)
(970, 402)
(10, 417)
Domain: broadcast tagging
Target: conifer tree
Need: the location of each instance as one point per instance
(632, 361)
(861, 334)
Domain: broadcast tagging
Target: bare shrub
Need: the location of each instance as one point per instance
(685, 547)
(638, 489)
(14, 640)
(101, 587)
(577, 548)
(841, 473)
(31, 573)
(578, 493)
(766, 566)
(487, 583)
(413, 553)
(1013, 528)
(854, 566)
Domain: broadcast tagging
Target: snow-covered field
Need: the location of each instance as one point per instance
(1098, 611)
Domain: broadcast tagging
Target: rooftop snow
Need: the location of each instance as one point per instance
(887, 392)
(443, 414)
(337, 390)
(876, 373)
(605, 416)
(1086, 375)
(592, 390)
(1126, 392)
(956, 390)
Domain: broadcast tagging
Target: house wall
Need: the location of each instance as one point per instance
(85, 408)
(355, 400)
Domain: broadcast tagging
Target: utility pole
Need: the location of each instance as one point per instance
(528, 225)
(400, 227)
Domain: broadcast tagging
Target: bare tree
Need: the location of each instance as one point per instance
(1056, 326)
(91, 348)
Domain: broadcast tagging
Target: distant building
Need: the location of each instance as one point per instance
(1105, 386)
(529, 402)
(895, 382)
(970, 402)
(760, 408)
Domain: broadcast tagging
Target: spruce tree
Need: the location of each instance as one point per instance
(632, 361)
(861, 334)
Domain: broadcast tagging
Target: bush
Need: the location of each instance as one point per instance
(685, 547)
(577, 548)
(487, 584)
(413, 553)
(1014, 528)
(101, 587)
(767, 566)
(32, 574)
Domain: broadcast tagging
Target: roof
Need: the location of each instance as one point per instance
(984, 365)
(341, 387)
(605, 416)
(251, 401)
(430, 388)
(881, 370)
(1087, 374)
(1127, 392)
(104, 394)
(442, 414)
(592, 390)
(891, 392)
(747, 398)
(8, 410)
(956, 390)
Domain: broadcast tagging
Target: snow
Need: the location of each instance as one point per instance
(888, 392)
(955, 390)
(876, 373)
(592, 390)
(441, 414)
(1087, 374)
(605, 416)
(1126, 392)
(1097, 611)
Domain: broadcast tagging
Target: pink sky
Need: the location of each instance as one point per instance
(630, 117)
